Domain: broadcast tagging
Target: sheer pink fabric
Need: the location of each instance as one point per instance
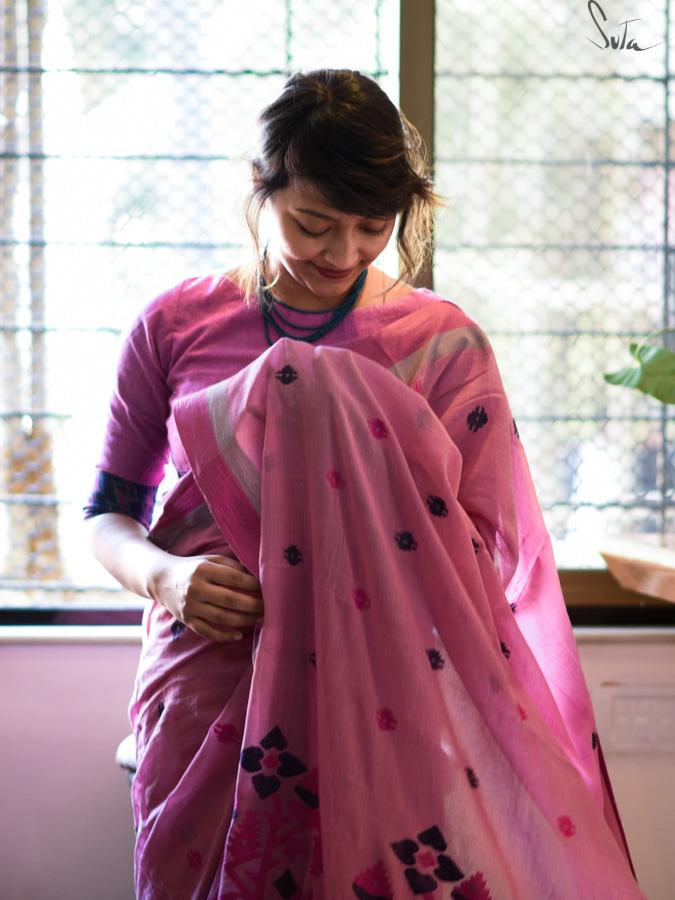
(411, 718)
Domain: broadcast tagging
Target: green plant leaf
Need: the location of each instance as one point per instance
(653, 375)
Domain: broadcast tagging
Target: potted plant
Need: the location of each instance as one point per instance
(646, 563)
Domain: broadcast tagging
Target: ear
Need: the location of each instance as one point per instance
(255, 174)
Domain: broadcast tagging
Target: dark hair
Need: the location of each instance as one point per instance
(338, 128)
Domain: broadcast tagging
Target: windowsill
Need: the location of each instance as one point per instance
(594, 599)
(70, 634)
(132, 634)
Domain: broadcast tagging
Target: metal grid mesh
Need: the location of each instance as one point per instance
(126, 129)
(554, 156)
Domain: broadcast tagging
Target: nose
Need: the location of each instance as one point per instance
(342, 252)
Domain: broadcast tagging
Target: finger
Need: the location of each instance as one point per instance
(230, 573)
(207, 630)
(226, 598)
(226, 618)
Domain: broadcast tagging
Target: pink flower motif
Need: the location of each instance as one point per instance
(426, 859)
(386, 720)
(271, 760)
(377, 428)
(227, 734)
(360, 598)
(418, 385)
(244, 841)
(474, 888)
(521, 712)
(335, 479)
(567, 826)
(374, 881)
(195, 860)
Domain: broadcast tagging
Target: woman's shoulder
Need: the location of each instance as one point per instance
(190, 298)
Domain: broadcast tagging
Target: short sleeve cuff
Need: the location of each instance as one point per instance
(114, 494)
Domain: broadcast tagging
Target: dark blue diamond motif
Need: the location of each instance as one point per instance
(471, 775)
(287, 375)
(292, 555)
(437, 506)
(405, 540)
(477, 418)
(435, 658)
(177, 628)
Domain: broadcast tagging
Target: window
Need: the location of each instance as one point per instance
(555, 157)
(126, 129)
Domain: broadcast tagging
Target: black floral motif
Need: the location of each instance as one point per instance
(286, 885)
(411, 855)
(505, 650)
(475, 544)
(177, 628)
(292, 555)
(285, 764)
(515, 429)
(437, 506)
(471, 775)
(595, 740)
(287, 375)
(514, 606)
(312, 658)
(477, 418)
(435, 658)
(308, 789)
(160, 708)
(405, 540)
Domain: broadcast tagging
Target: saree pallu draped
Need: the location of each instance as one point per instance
(411, 718)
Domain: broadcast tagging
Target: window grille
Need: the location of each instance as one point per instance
(126, 129)
(555, 157)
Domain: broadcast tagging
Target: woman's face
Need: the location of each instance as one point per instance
(321, 249)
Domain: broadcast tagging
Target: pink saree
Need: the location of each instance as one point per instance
(411, 719)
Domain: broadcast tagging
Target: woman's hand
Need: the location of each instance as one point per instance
(213, 595)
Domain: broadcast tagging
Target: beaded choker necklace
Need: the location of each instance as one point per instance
(272, 315)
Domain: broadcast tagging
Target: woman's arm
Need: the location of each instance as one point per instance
(213, 595)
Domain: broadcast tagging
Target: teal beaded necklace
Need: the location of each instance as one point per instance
(274, 318)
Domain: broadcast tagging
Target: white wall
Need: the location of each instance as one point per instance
(65, 819)
(65, 815)
(627, 670)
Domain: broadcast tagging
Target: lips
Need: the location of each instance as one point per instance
(335, 274)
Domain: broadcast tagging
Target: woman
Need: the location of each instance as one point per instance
(405, 714)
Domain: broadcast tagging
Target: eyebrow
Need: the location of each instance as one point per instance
(318, 215)
(312, 212)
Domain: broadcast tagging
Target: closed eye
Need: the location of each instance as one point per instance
(311, 233)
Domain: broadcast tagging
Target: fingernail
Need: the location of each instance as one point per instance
(237, 636)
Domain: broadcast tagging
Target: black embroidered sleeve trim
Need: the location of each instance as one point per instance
(114, 494)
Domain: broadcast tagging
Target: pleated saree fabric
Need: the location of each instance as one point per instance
(411, 718)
